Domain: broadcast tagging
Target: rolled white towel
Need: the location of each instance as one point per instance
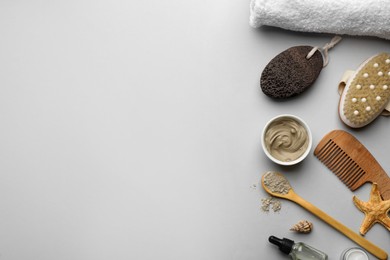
(352, 17)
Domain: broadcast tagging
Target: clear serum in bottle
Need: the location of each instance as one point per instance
(297, 251)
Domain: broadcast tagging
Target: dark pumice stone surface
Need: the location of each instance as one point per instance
(290, 73)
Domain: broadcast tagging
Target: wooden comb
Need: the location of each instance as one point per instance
(352, 163)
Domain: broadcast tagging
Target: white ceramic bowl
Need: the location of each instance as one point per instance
(354, 253)
(301, 122)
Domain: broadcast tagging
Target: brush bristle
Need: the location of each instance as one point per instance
(341, 164)
(368, 92)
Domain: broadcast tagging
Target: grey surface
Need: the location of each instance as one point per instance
(131, 130)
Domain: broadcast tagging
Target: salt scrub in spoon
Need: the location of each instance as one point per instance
(286, 139)
(276, 182)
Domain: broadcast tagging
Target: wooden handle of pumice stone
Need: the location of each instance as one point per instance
(361, 241)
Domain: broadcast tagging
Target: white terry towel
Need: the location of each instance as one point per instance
(353, 17)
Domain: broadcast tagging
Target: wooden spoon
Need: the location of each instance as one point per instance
(291, 195)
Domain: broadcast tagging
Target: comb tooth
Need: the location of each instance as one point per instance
(349, 171)
(324, 147)
(345, 170)
(323, 154)
(352, 174)
(340, 163)
(359, 175)
(329, 154)
(343, 166)
(343, 163)
(333, 151)
(338, 156)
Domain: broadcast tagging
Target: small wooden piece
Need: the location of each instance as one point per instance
(361, 241)
(376, 210)
(352, 163)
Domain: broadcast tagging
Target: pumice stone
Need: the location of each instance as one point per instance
(291, 72)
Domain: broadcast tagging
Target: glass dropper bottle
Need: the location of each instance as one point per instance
(297, 251)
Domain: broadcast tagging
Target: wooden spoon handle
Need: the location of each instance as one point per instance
(370, 247)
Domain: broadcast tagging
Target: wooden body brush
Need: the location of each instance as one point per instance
(367, 92)
(352, 163)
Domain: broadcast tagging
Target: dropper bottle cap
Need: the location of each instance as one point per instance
(285, 245)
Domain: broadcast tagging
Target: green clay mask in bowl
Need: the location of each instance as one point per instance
(286, 139)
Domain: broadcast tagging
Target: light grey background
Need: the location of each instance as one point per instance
(131, 130)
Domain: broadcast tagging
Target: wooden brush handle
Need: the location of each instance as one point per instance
(370, 247)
